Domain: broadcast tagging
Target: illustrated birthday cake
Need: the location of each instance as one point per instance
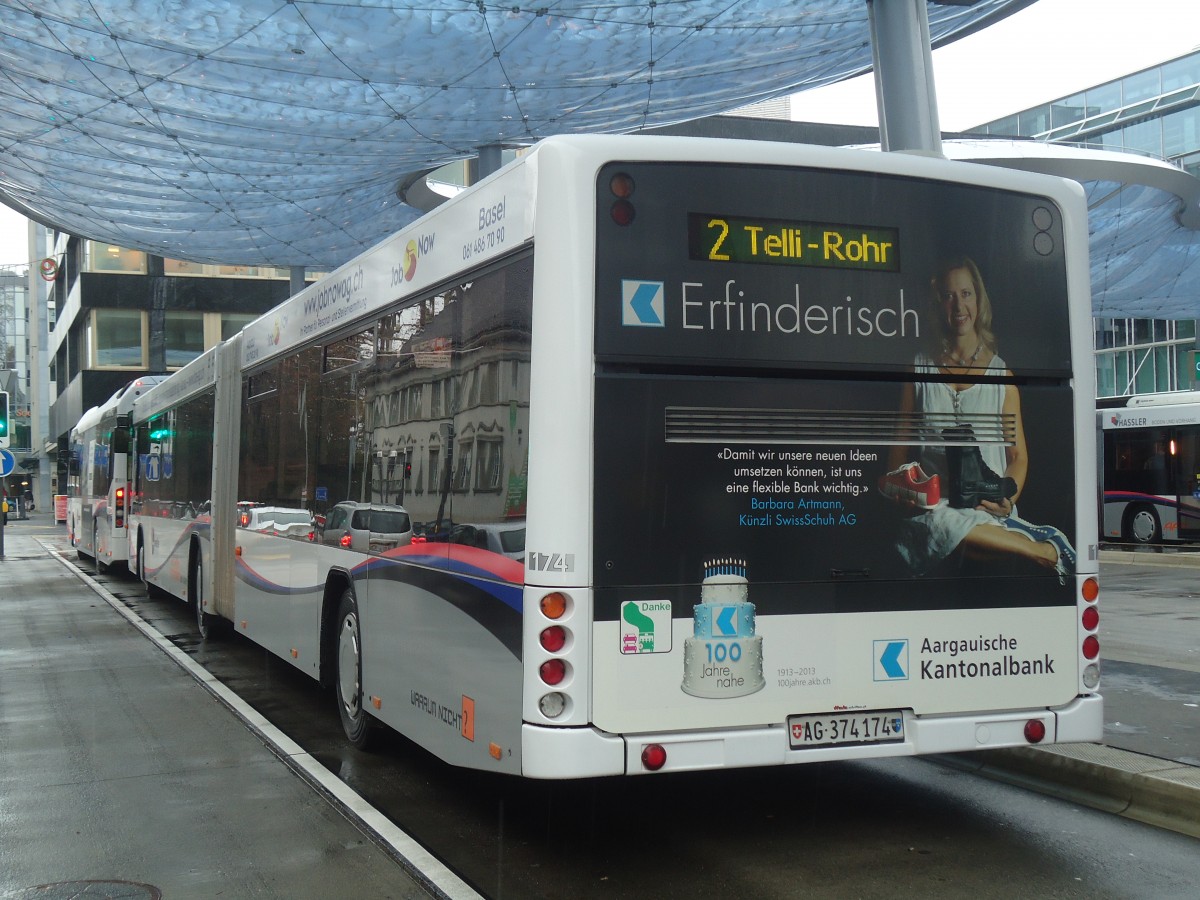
(723, 657)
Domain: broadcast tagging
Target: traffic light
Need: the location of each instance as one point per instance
(4, 420)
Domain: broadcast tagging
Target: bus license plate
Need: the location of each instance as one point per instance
(878, 727)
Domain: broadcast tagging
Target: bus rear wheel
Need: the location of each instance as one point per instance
(356, 722)
(100, 567)
(1142, 525)
(207, 624)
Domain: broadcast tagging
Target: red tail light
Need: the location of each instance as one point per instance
(553, 671)
(553, 638)
(346, 540)
(654, 756)
(119, 519)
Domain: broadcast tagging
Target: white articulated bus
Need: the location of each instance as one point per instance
(98, 471)
(652, 454)
(1150, 468)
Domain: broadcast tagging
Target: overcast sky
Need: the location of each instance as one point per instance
(1049, 50)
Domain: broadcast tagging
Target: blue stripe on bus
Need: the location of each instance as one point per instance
(459, 580)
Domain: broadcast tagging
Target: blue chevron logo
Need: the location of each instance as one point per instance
(891, 660)
(642, 303)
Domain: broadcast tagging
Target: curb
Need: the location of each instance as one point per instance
(1150, 557)
(1159, 792)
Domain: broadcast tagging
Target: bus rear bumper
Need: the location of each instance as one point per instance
(588, 753)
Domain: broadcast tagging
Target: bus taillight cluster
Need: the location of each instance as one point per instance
(556, 639)
(1089, 619)
(622, 210)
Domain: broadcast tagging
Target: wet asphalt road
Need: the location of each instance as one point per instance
(893, 829)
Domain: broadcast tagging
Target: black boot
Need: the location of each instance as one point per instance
(971, 479)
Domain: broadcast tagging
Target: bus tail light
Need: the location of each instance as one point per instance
(553, 638)
(654, 757)
(553, 671)
(119, 518)
(1090, 620)
(1035, 731)
(622, 186)
(553, 605)
(552, 705)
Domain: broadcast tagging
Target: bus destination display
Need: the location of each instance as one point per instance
(714, 237)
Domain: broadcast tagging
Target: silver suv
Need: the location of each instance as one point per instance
(279, 520)
(367, 527)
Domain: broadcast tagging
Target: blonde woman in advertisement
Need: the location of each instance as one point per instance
(961, 495)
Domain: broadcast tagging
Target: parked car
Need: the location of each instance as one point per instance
(505, 538)
(279, 520)
(367, 527)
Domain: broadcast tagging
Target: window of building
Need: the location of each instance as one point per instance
(1068, 110)
(98, 257)
(435, 470)
(463, 463)
(1007, 126)
(1181, 73)
(1135, 356)
(1181, 132)
(1034, 121)
(1104, 96)
(232, 323)
(1144, 137)
(1141, 85)
(489, 455)
(116, 339)
(195, 269)
(183, 337)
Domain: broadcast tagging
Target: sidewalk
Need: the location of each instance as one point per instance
(118, 767)
(1160, 792)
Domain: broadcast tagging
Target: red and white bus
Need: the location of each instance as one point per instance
(1150, 469)
(683, 371)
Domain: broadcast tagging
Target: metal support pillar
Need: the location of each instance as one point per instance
(295, 280)
(904, 91)
(490, 160)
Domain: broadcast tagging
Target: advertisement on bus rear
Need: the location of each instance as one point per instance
(845, 408)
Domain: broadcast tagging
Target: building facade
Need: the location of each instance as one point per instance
(122, 313)
(14, 353)
(1156, 112)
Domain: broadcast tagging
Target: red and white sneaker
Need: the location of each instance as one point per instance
(910, 483)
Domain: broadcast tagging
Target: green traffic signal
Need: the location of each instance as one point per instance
(3, 419)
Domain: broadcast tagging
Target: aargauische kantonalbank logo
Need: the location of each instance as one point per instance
(642, 303)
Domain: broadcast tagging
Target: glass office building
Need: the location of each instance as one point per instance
(1156, 112)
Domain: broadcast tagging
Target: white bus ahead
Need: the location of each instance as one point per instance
(1150, 468)
(98, 471)
(655, 454)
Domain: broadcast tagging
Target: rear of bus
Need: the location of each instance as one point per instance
(741, 587)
